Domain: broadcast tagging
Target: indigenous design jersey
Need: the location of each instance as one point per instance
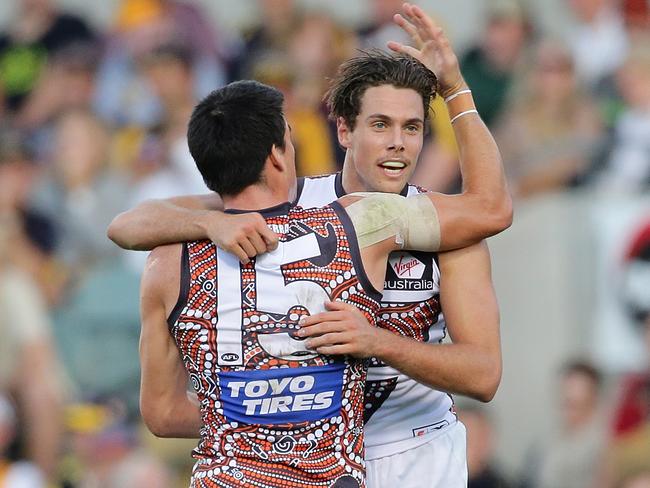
(400, 413)
(275, 414)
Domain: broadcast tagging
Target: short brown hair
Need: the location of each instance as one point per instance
(376, 68)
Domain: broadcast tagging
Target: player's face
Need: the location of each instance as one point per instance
(384, 146)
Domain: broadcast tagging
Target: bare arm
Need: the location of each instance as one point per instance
(39, 392)
(165, 405)
(471, 365)
(484, 207)
(160, 222)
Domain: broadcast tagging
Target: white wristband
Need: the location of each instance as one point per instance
(466, 112)
(454, 95)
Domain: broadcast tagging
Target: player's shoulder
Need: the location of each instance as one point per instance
(161, 279)
(162, 266)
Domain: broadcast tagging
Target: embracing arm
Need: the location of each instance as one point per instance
(470, 366)
(188, 218)
(166, 407)
(158, 222)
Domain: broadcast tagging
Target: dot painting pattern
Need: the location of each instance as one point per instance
(311, 453)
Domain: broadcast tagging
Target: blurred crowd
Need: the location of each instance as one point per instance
(93, 122)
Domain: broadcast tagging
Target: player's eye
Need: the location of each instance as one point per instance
(379, 124)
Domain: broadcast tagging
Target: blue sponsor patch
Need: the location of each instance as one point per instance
(282, 395)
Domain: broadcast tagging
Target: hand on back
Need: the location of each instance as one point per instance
(244, 235)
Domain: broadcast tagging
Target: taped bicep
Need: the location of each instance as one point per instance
(412, 221)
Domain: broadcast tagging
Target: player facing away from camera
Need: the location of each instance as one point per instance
(273, 412)
(411, 435)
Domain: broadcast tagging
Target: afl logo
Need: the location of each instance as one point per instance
(229, 357)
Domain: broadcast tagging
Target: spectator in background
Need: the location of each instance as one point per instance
(168, 70)
(34, 235)
(636, 14)
(37, 31)
(628, 164)
(123, 96)
(482, 473)
(597, 40)
(67, 82)
(106, 446)
(633, 408)
(267, 39)
(14, 474)
(316, 47)
(80, 193)
(571, 458)
(550, 131)
(640, 479)
(490, 66)
(29, 370)
(381, 27)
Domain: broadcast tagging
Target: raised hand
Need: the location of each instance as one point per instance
(431, 48)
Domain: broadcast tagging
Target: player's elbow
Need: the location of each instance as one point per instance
(120, 232)
(157, 418)
(489, 382)
(117, 232)
(500, 212)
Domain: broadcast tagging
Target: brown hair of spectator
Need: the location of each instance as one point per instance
(376, 68)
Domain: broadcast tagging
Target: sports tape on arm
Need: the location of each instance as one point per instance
(413, 221)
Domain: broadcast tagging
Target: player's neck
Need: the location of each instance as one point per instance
(349, 179)
(256, 197)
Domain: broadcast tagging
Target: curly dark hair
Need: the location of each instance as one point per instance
(376, 68)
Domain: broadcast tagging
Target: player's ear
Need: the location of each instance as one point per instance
(344, 132)
(278, 158)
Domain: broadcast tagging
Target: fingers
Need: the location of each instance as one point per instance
(270, 238)
(341, 306)
(248, 248)
(338, 350)
(310, 320)
(319, 329)
(401, 48)
(239, 252)
(408, 27)
(423, 20)
(334, 339)
(258, 243)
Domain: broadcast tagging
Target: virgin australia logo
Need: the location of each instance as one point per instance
(406, 266)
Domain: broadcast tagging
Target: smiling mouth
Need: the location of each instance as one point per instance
(393, 166)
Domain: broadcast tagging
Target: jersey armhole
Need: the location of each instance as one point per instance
(184, 292)
(355, 252)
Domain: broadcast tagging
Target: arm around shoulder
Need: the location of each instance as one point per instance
(158, 222)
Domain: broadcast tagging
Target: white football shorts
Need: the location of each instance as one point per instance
(439, 463)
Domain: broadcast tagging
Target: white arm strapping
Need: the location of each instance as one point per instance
(413, 220)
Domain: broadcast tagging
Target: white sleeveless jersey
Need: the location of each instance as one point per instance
(400, 413)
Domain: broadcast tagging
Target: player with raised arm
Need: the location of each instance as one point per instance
(408, 423)
(273, 412)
